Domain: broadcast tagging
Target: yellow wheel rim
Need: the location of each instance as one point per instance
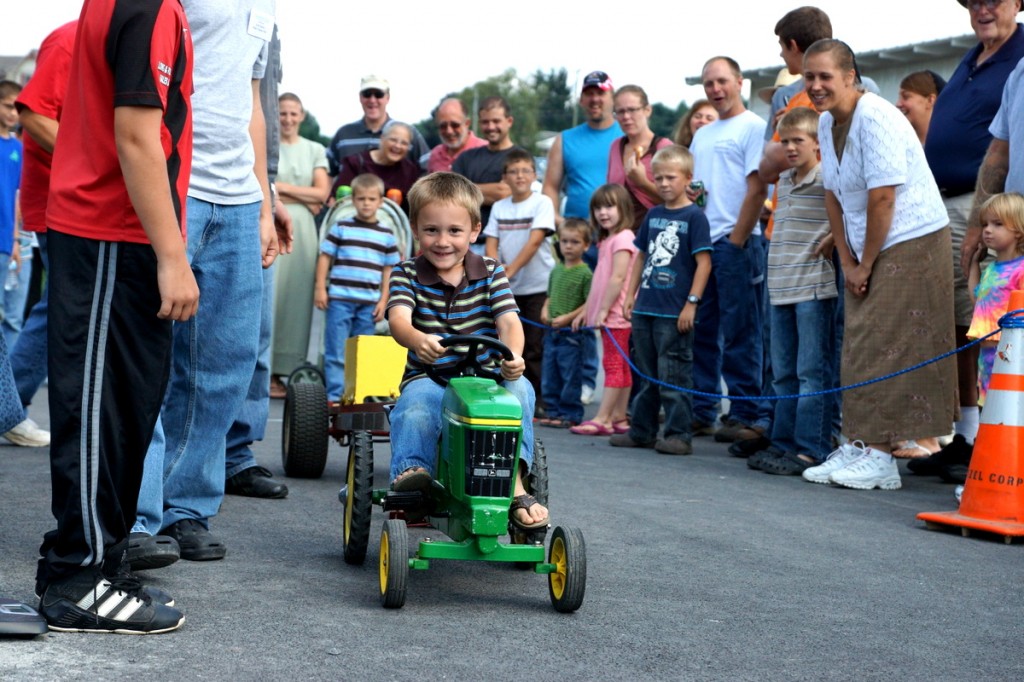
(350, 478)
(384, 559)
(558, 577)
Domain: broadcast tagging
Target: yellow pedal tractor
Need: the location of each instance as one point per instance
(477, 461)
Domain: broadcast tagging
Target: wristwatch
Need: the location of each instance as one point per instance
(693, 299)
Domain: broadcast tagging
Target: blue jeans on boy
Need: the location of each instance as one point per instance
(416, 424)
(251, 423)
(660, 351)
(562, 374)
(727, 341)
(345, 319)
(213, 358)
(28, 355)
(803, 341)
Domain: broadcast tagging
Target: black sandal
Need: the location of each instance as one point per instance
(524, 502)
(786, 464)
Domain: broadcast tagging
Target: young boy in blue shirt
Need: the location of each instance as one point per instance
(668, 279)
(448, 290)
(352, 276)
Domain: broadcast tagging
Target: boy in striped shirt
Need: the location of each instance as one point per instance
(803, 294)
(359, 255)
(448, 290)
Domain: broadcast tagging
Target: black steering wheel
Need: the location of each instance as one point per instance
(469, 365)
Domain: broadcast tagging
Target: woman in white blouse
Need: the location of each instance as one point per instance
(891, 232)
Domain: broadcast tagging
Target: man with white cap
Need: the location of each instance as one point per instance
(363, 134)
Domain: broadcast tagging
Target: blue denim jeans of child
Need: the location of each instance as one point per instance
(251, 423)
(416, 424)
(665, 354)
(345, 319)
(28, 355)
(727, 340)
(213, 358)
(562, 373)
(803, 342)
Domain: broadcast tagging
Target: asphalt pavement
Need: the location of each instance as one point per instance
(698, 569)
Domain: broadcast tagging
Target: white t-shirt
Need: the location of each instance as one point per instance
(724, 154)
(231, 41)
(881, 150)
(512, 224)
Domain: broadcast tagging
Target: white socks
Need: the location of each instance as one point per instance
(968, 424)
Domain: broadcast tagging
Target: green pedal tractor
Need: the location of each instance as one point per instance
(477, 460)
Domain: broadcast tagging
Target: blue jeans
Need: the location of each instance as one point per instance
(416, 424)
(251, 423)
(345, 319)
(213, 359)
(28, 355)
(662, 352)
(590, 359)
(14, 300)
(562, 374)
(803, 345)
(727, 341)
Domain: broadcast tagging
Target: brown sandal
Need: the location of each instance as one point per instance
(524, 502)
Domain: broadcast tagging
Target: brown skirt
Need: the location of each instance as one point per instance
(906, 318)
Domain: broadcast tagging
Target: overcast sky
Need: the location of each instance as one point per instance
(426, 49)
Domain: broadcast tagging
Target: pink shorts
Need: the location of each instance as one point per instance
(616, 370)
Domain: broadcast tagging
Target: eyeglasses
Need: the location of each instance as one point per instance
(372, 94)
(443, 125)
(619, 113)
(976, 5)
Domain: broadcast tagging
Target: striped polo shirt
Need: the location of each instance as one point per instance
(440, 308)
(795, 273)
(360, 252)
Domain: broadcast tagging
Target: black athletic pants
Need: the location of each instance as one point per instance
(109, 358)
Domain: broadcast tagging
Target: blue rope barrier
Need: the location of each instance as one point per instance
(1014, 319)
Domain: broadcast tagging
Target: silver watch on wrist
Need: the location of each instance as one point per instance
(693, 299)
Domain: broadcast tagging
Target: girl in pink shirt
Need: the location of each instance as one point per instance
(611, 210)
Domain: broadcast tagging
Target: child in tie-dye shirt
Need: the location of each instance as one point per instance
(1002, 221)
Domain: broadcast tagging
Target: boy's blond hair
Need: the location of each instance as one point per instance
(578, 225)
(367, 181)
(451, 189)
(802, 120)
(674, 155)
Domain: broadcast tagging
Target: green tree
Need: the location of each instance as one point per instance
(310, 129)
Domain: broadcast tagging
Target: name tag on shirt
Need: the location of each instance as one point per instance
(261, 25)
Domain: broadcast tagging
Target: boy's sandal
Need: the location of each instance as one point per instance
(412, 479)
(524, 501)
(557, 423)
(786, 464)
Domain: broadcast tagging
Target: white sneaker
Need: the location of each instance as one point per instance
(874, 469)
(587, 395)
(958, 492)
(841, 457)
(28, 434)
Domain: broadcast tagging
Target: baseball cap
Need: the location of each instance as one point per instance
(597, 79)
(374, 82)
(783, 79)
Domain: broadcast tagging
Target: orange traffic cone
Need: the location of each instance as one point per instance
(993, 497)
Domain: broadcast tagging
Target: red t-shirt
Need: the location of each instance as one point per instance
(127, 53)
(44, 95)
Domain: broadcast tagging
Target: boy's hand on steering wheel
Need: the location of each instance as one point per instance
(429, 348)
(514, 368)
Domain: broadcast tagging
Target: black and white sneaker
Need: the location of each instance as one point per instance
(90, 602)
